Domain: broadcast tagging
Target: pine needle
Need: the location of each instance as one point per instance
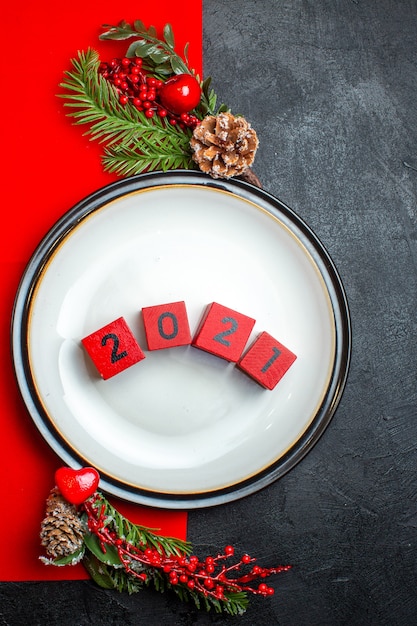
(134, 143)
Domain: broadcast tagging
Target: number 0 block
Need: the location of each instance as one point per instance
(267, 360)
(223, 332)
(113, 348)
(166, 325)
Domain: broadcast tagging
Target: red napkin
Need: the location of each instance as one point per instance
(48, 166)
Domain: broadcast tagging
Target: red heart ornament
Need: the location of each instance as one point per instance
(77, 485)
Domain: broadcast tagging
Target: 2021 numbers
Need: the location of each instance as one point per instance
(222, 332)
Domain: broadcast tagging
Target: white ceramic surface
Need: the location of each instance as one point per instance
(181, 421)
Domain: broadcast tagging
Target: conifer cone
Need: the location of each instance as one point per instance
(61, 529)
(224, 145)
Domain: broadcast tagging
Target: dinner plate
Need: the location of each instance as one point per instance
(181, 428)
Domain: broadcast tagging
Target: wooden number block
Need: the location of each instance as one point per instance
(267, 360)
(166, 325)
(223, 332)
(113, 348)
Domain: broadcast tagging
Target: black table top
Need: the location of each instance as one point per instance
(330, 88)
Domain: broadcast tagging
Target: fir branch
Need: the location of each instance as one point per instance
(124, 556)
(129, 161)
(127, 556)
(134, 143)
(136, 534)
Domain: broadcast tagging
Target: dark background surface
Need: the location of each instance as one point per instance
(330, 87)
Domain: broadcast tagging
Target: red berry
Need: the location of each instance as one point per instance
(180, 94)
(229, 550)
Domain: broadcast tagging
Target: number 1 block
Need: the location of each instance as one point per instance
(223, 332)
(166, 325)
(266, 361)
(113, 348)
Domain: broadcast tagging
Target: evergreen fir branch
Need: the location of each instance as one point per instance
(134, 143)
(124, 556)
(140, 535)
(123, 582)
(106, 567)
(127, 161)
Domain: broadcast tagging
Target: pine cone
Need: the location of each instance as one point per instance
(61, 530)
(224, 145)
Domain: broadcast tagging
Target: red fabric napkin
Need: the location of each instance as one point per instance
(48, 166)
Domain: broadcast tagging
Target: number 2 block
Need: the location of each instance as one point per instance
(223, 332)
(166, 325)
(113, 348)
(267, 360)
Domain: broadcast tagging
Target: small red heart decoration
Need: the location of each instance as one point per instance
(77, 485)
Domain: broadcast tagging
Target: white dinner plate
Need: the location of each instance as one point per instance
(182, 428)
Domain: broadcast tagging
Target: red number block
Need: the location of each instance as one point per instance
(166, 325)
(223, 332)
(267, 360)
(113, 348)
